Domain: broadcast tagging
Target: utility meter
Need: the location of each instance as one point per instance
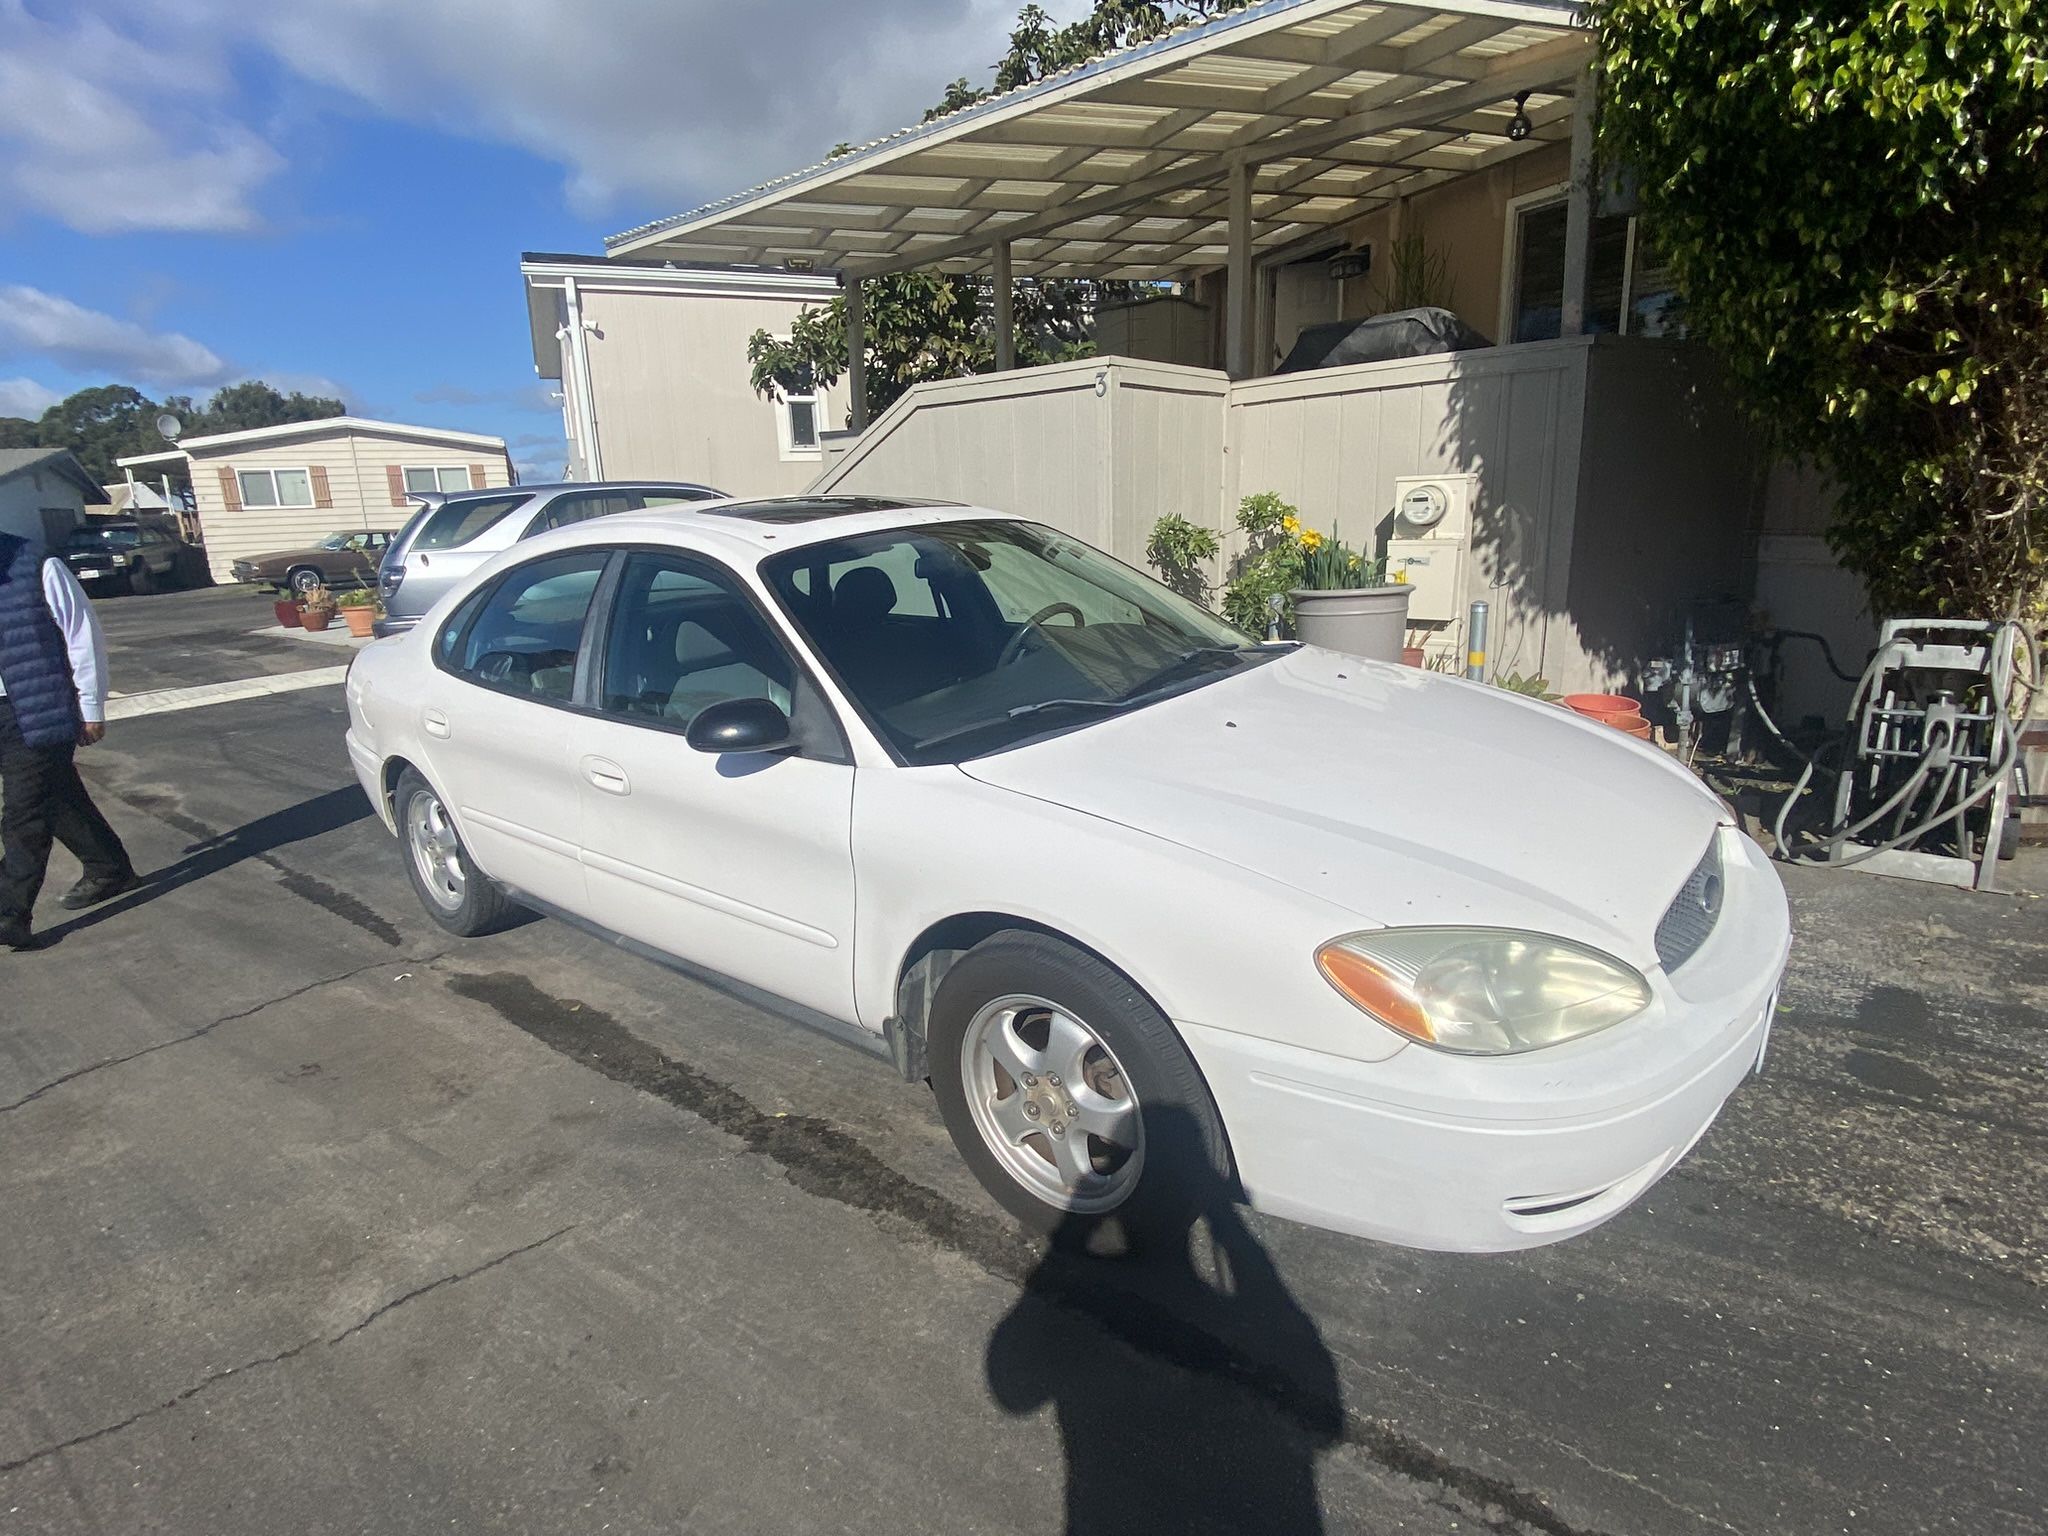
(1434, 506)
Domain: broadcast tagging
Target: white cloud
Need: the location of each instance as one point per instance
(114, 128)
(25, 397)
(80, 340)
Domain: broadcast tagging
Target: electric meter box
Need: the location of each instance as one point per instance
(1434, 506)
(1434, 570)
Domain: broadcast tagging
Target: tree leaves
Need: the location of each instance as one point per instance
(1854, 198)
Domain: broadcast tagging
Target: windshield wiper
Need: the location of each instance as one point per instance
(1187, 664)
(1111, 705)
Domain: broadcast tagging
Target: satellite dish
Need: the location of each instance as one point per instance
(169, 427)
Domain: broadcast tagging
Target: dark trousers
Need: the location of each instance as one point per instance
(43, 799)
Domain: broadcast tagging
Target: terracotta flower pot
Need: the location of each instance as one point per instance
(1630, 722)
(359, 621)
(316, 619)
(1642, 730)
(1601, 705)
(287, 613)
(1413, 656)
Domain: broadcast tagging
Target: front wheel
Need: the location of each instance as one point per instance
(304, 580)
(1069, 1095)
(457, 895)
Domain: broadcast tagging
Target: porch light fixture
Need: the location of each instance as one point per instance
(1519, 126)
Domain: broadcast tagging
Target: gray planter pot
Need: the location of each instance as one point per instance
(1360, 621)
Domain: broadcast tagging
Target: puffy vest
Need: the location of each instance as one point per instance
(35, 665)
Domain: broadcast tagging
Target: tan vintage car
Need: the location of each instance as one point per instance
(340, 560)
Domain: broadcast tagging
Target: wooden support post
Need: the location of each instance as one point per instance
(1006, 309)
(1239, 312)
(1578, 215)
(856, 357)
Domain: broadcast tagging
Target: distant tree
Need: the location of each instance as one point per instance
(1854, 197)
(932, 325)
(253, 403)
(17, 432)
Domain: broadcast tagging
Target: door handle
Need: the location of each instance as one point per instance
(607, 776)
(435, 723)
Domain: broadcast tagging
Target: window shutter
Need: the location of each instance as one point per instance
(230, 490)
(322, 495)
(477, 473)
(396, 475)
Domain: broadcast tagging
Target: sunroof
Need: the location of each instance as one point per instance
(809, 509)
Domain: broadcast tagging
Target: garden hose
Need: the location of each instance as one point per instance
(1833, 857)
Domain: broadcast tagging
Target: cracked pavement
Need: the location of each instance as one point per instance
(317, 1220)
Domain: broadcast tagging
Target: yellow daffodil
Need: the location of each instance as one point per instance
(1310, 539)
(1291, 524)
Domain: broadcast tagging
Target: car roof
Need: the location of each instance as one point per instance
(760, 526)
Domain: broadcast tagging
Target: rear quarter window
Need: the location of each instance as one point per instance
(458, 522)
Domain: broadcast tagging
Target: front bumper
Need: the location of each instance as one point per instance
(1482, 1155)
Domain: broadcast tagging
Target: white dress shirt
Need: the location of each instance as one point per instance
(80, 626)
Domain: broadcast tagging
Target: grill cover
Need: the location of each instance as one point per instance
(1404, 333)
(1689, 920)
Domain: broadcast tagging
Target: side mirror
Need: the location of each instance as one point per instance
(740, 725)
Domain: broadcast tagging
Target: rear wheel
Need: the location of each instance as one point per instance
(1069, 1095)
(457, 895)
(303, 580)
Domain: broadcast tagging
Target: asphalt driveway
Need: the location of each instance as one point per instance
(320, 1221)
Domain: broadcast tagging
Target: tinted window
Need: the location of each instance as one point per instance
(457, 522)
(564, 510)
(525, 635)
(103, 537)
(683, 637)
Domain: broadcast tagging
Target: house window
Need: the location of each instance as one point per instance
(442, 477)
(1629, 289)
(800, 420)
(275, 487)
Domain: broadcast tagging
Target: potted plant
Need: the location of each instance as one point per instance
(359, 608)
(316, 608)
(287, 611)
(1331, 594)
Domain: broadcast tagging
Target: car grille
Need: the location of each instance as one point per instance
(1689, 921)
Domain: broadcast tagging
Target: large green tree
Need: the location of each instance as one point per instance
(932, 325)
(113, 421)
(1854, 196)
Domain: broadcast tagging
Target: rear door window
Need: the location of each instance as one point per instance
(580, 508)
(457, 522)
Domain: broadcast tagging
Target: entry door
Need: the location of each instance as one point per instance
(1304, 294)
(741, 863)
(497, 730)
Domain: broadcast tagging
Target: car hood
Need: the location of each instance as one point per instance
(1402, 796)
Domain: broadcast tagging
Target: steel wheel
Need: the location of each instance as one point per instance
(436, 851)
(1053, 1104)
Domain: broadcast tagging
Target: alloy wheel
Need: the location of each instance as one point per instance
(436, 851)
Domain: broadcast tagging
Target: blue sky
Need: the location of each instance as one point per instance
(333, 196)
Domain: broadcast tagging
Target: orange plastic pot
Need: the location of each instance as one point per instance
(1629, 723)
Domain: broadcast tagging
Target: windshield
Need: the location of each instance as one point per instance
(959, 639)
(103, 538)
(455, 523)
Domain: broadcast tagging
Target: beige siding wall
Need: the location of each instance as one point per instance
(357, 469)
(1098, 449)
(668, 378)
(1334, 441)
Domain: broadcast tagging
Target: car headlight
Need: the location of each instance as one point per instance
(1482, 991)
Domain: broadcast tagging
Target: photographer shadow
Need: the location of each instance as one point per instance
(1187, 1401)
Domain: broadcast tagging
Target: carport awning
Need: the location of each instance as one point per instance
(1121, 168)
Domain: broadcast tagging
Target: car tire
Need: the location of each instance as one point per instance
(1168, 1159)
(141, 583)
(457, 895)
(303, 580)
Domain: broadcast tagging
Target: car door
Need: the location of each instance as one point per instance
(741, 863)
(496, 722)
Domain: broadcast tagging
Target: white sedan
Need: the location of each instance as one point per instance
(1148, 902)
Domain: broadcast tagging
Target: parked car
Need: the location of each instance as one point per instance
(1407, 956)
(451, 535)
(136, 554)
(344, 559)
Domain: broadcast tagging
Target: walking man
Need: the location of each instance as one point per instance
(53, 696)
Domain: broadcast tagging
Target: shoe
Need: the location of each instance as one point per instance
(16, 936)
(90, 893)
